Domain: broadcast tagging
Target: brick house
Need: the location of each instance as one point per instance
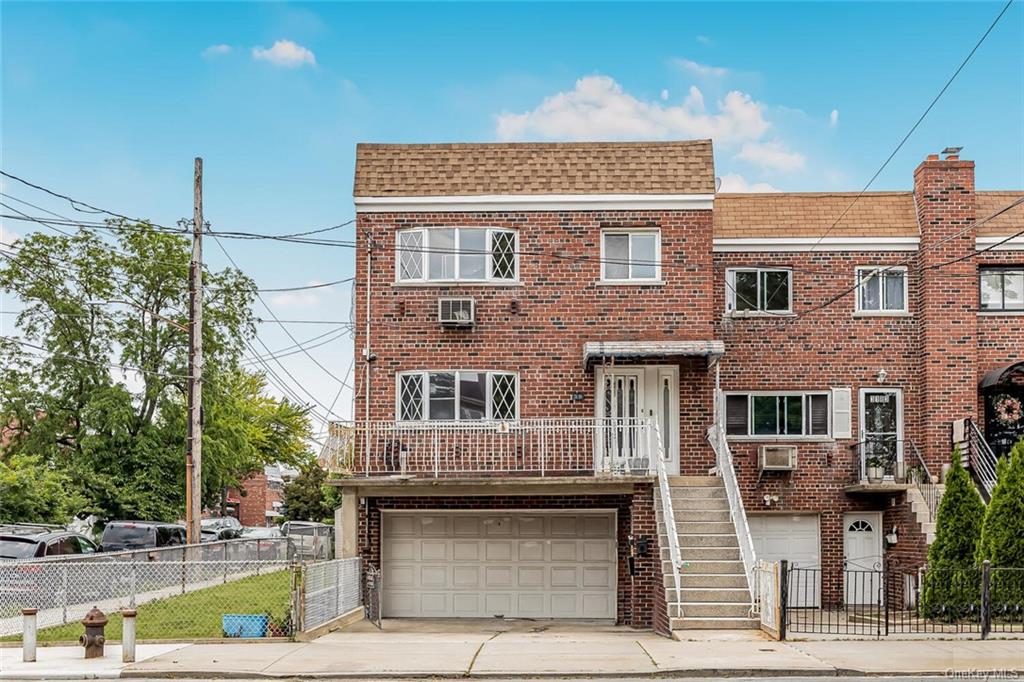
(260, 502)
(590, 386)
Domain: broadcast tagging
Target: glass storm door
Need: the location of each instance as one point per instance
(881, 427)
(627, 398)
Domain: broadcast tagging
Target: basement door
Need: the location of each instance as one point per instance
(628, 395)
(518, 564)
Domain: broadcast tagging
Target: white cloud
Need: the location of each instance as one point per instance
(214, 51)
(308, 298)
(734, 182)
(698, 69)
(774, 155)
(833, 118)
(8, 236)
(704, 40)
(664, 95)
(285, 53)
(597, 108)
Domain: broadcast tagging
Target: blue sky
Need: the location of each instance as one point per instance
(109, 102)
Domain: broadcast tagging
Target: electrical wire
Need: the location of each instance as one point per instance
(74, 358)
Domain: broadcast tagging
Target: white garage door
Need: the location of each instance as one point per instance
(485, 564)
(793, 537)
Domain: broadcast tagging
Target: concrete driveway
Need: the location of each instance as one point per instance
(488, 648)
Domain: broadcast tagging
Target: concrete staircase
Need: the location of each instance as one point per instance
(714, 594)
(919, 506)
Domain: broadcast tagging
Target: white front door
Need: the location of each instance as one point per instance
(862, 558)
(630, 395)
(881, 429)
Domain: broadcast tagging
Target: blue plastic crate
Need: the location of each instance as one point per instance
(245, 624)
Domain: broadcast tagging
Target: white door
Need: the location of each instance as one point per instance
(486, 564)
(793, 537)
(881, 429)
(630, 395)
(862, 558)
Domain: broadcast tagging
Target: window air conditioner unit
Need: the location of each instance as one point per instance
(456, 312)
(776, 457)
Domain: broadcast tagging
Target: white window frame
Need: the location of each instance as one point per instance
(730, 292)
(805, 395)
(859, 277)
(425, 233)
(998, 269)
(631, 232)
(425, 394)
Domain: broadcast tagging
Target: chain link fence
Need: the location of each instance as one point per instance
(328, 589)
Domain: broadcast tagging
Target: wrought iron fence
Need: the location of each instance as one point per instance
(890, 601)
(328, 589)
(174, 599)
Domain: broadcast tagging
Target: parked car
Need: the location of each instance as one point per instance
(216, 534)
(34, 541)
(121, 536)
(231, 526)
(310, 539)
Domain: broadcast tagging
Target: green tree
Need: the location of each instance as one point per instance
(309, 498)
(1002, 536)
(952, 581)
(33, 492)
(96, 390)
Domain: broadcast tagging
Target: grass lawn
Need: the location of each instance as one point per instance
(193, 615)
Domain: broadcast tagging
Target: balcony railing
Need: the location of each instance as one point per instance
(479, 448)
(886, 459)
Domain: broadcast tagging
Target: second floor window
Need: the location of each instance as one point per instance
(1002, 288)
(882, 290)
(450, 254)
(631, 255)
(777, 414)
(457, 395)
(758, 290)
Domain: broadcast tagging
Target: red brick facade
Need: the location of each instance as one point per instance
(935, 353)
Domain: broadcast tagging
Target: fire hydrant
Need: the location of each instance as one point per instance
(93, 638)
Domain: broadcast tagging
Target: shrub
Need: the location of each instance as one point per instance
(1002, 535)
(952, 582)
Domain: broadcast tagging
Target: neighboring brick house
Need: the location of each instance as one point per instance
(534, 321)
(261, 500)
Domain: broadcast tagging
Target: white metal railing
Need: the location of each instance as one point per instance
(539, 447)
(669, 517)
(980, 458)
(725, 469)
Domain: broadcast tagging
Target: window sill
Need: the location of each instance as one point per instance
(757, 314)
(997, 313)
(879, 313)
(455, 284)
(630, 283)
(781, 439)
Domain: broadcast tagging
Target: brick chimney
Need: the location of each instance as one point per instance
(947, 300)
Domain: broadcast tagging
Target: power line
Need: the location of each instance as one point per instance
(298, 348)
(310, 286)
(74, 358)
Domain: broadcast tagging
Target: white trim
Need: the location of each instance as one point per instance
(881, 312)
(730, 292)
(862, 432)
(426, 250)
(535, 202)
(1015, 244)
(750, 436)
(630, 232)
(796, 244)
(424, 375)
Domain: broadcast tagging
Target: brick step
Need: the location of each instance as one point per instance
(708, 540)
(702, 553)
(689, 623)
(696, 527)
(698, 491)
(730, 580)
(694, 481)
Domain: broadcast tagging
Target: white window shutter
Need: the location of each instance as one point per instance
(842, 413)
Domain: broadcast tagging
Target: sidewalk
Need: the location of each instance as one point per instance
(531, 649)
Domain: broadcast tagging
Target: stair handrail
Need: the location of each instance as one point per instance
(668, 514)
(724, 466)
(981, 457)
(926, 485)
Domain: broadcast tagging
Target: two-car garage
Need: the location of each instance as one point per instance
(521, 564)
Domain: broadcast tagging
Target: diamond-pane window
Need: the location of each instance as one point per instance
(410, 394)
(503, 396)
(410, 246)
(503, 255)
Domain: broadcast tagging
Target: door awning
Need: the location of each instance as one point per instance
(998, 376)
(595, 351)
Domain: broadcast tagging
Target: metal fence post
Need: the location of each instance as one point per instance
(783, 597)
(884, 596)
(986, 598)
(64, 594)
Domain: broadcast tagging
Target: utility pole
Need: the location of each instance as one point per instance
(194, 453)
